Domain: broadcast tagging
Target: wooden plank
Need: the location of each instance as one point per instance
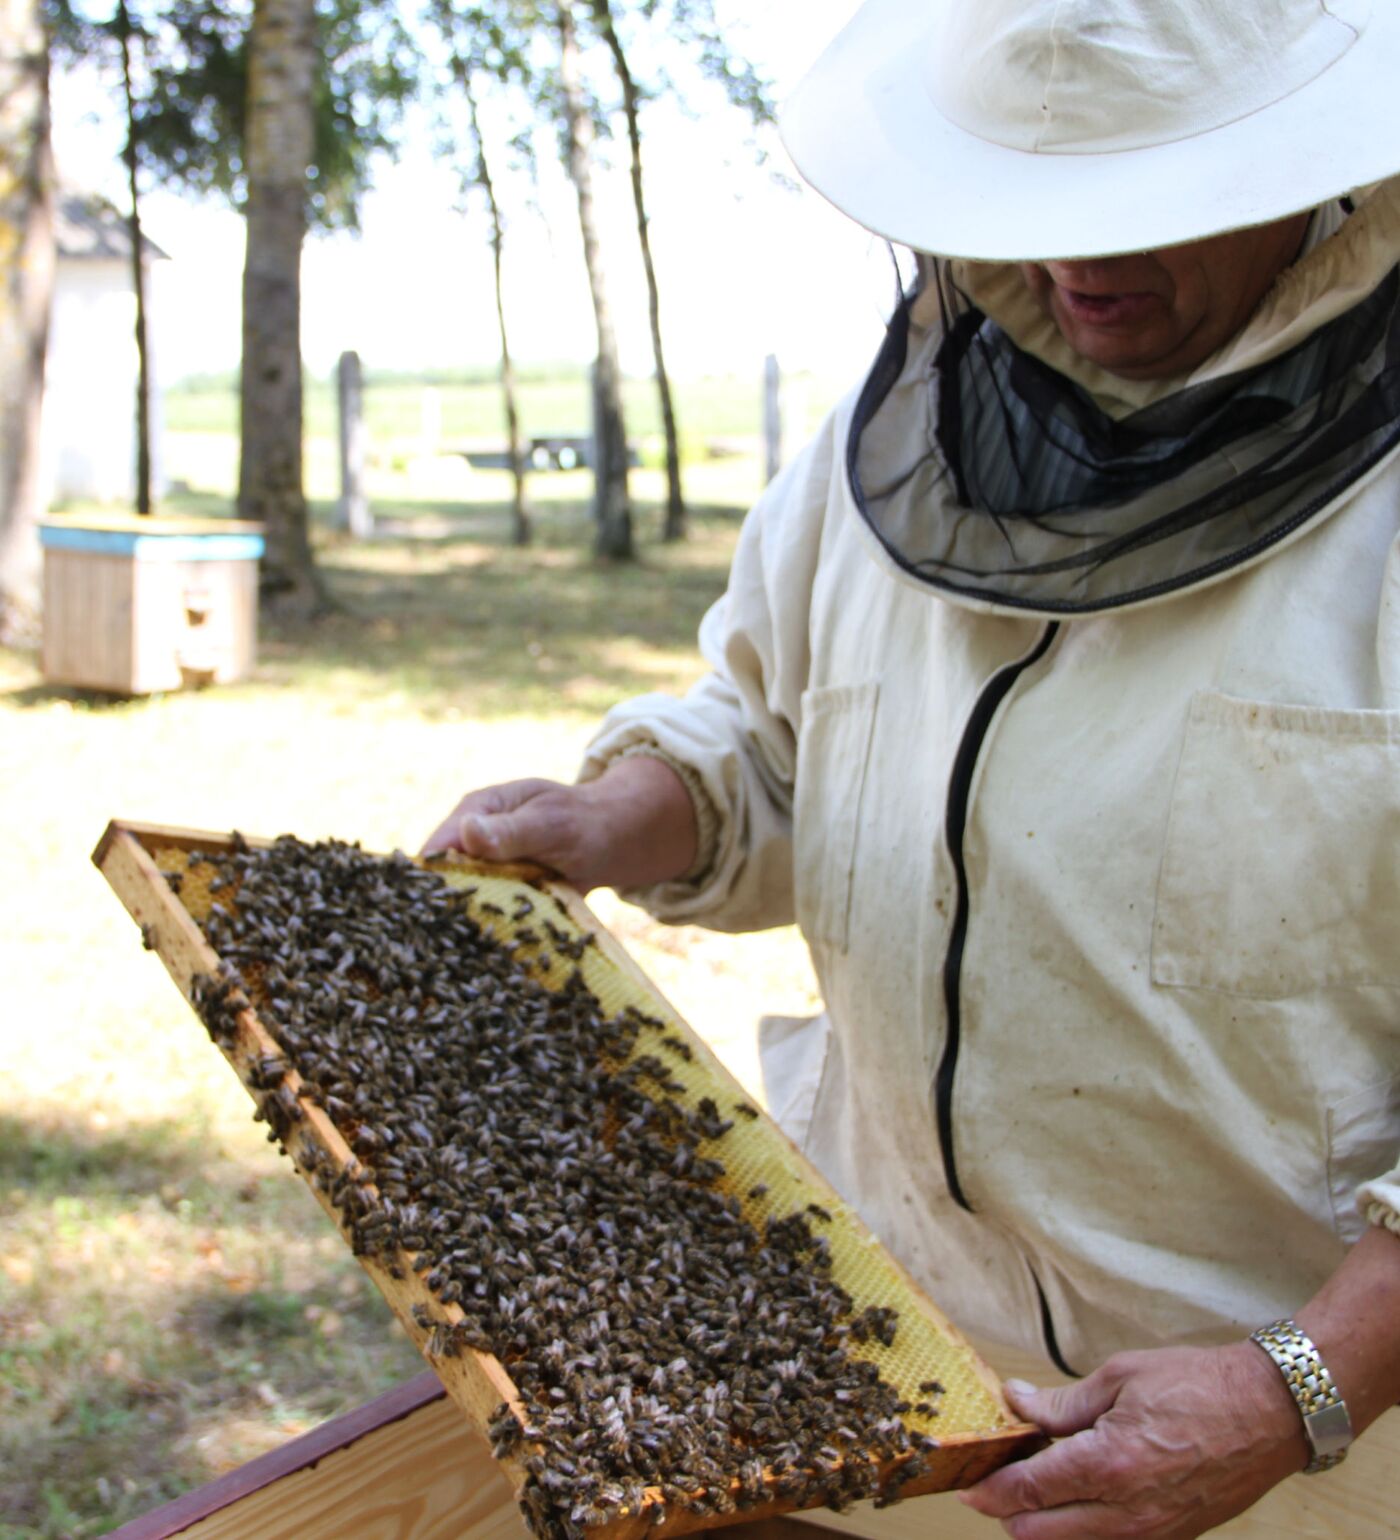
(401, 1420)
(430, 1478)
(88, 620)
(776, 1529)
(477, 1382)
(156, 834)
(402, 1467)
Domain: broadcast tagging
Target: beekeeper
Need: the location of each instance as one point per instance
(1056, 693)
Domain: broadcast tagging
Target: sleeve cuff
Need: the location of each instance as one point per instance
(706, 818)
(1382, 1215)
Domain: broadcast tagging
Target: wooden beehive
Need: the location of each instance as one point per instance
(137, 606)
(974, 1430)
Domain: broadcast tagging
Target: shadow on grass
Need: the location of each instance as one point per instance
(59, 1155)
(438, 607)
(164, 1315)
(100, 702)
(565, 521)
(96, 1173)
(226, 1379)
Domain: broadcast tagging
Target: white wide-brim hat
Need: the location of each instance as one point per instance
(1012, 130)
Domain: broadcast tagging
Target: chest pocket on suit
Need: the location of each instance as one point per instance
(1282, 866)
(833, 753)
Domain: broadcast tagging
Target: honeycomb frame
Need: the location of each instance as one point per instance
(976, 1431)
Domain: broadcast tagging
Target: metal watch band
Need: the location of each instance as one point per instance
(1325, 1417)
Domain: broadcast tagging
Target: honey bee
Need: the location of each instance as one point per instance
(557, 1191)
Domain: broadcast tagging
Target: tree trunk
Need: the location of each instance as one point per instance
(138, 276)
(520, 517)
(279, 147)
(26, 288)
(611, 502)
(674, 527)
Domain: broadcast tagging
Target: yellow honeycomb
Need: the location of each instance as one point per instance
(754, 1151)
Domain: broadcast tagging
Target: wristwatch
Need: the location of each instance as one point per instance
(1325, 1418)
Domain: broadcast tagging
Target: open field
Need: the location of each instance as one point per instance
(708, 409)
(171, 1302)
(431, 495)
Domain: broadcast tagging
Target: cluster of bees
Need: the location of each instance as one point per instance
(536, 1160)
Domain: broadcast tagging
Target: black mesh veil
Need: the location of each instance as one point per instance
(986, 473)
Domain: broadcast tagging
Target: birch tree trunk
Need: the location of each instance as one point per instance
(279, 147)
(674, 527)
(520, 518)
(138, 274)
(612, 506)
(26, 288)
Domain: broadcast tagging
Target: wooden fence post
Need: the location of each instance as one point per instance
(772, 417)
(430, 421)
(354, 511)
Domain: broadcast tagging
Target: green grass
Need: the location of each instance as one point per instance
(172, 1302)
(169, 1307)
(707, 409)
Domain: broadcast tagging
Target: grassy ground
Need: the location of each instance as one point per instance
(172, 1303)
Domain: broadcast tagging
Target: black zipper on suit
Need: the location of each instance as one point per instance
(955, 827)
(1047, 1331)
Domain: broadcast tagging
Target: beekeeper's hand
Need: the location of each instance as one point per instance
(1170, 1443)
(1164, 1445)
(632, 826)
